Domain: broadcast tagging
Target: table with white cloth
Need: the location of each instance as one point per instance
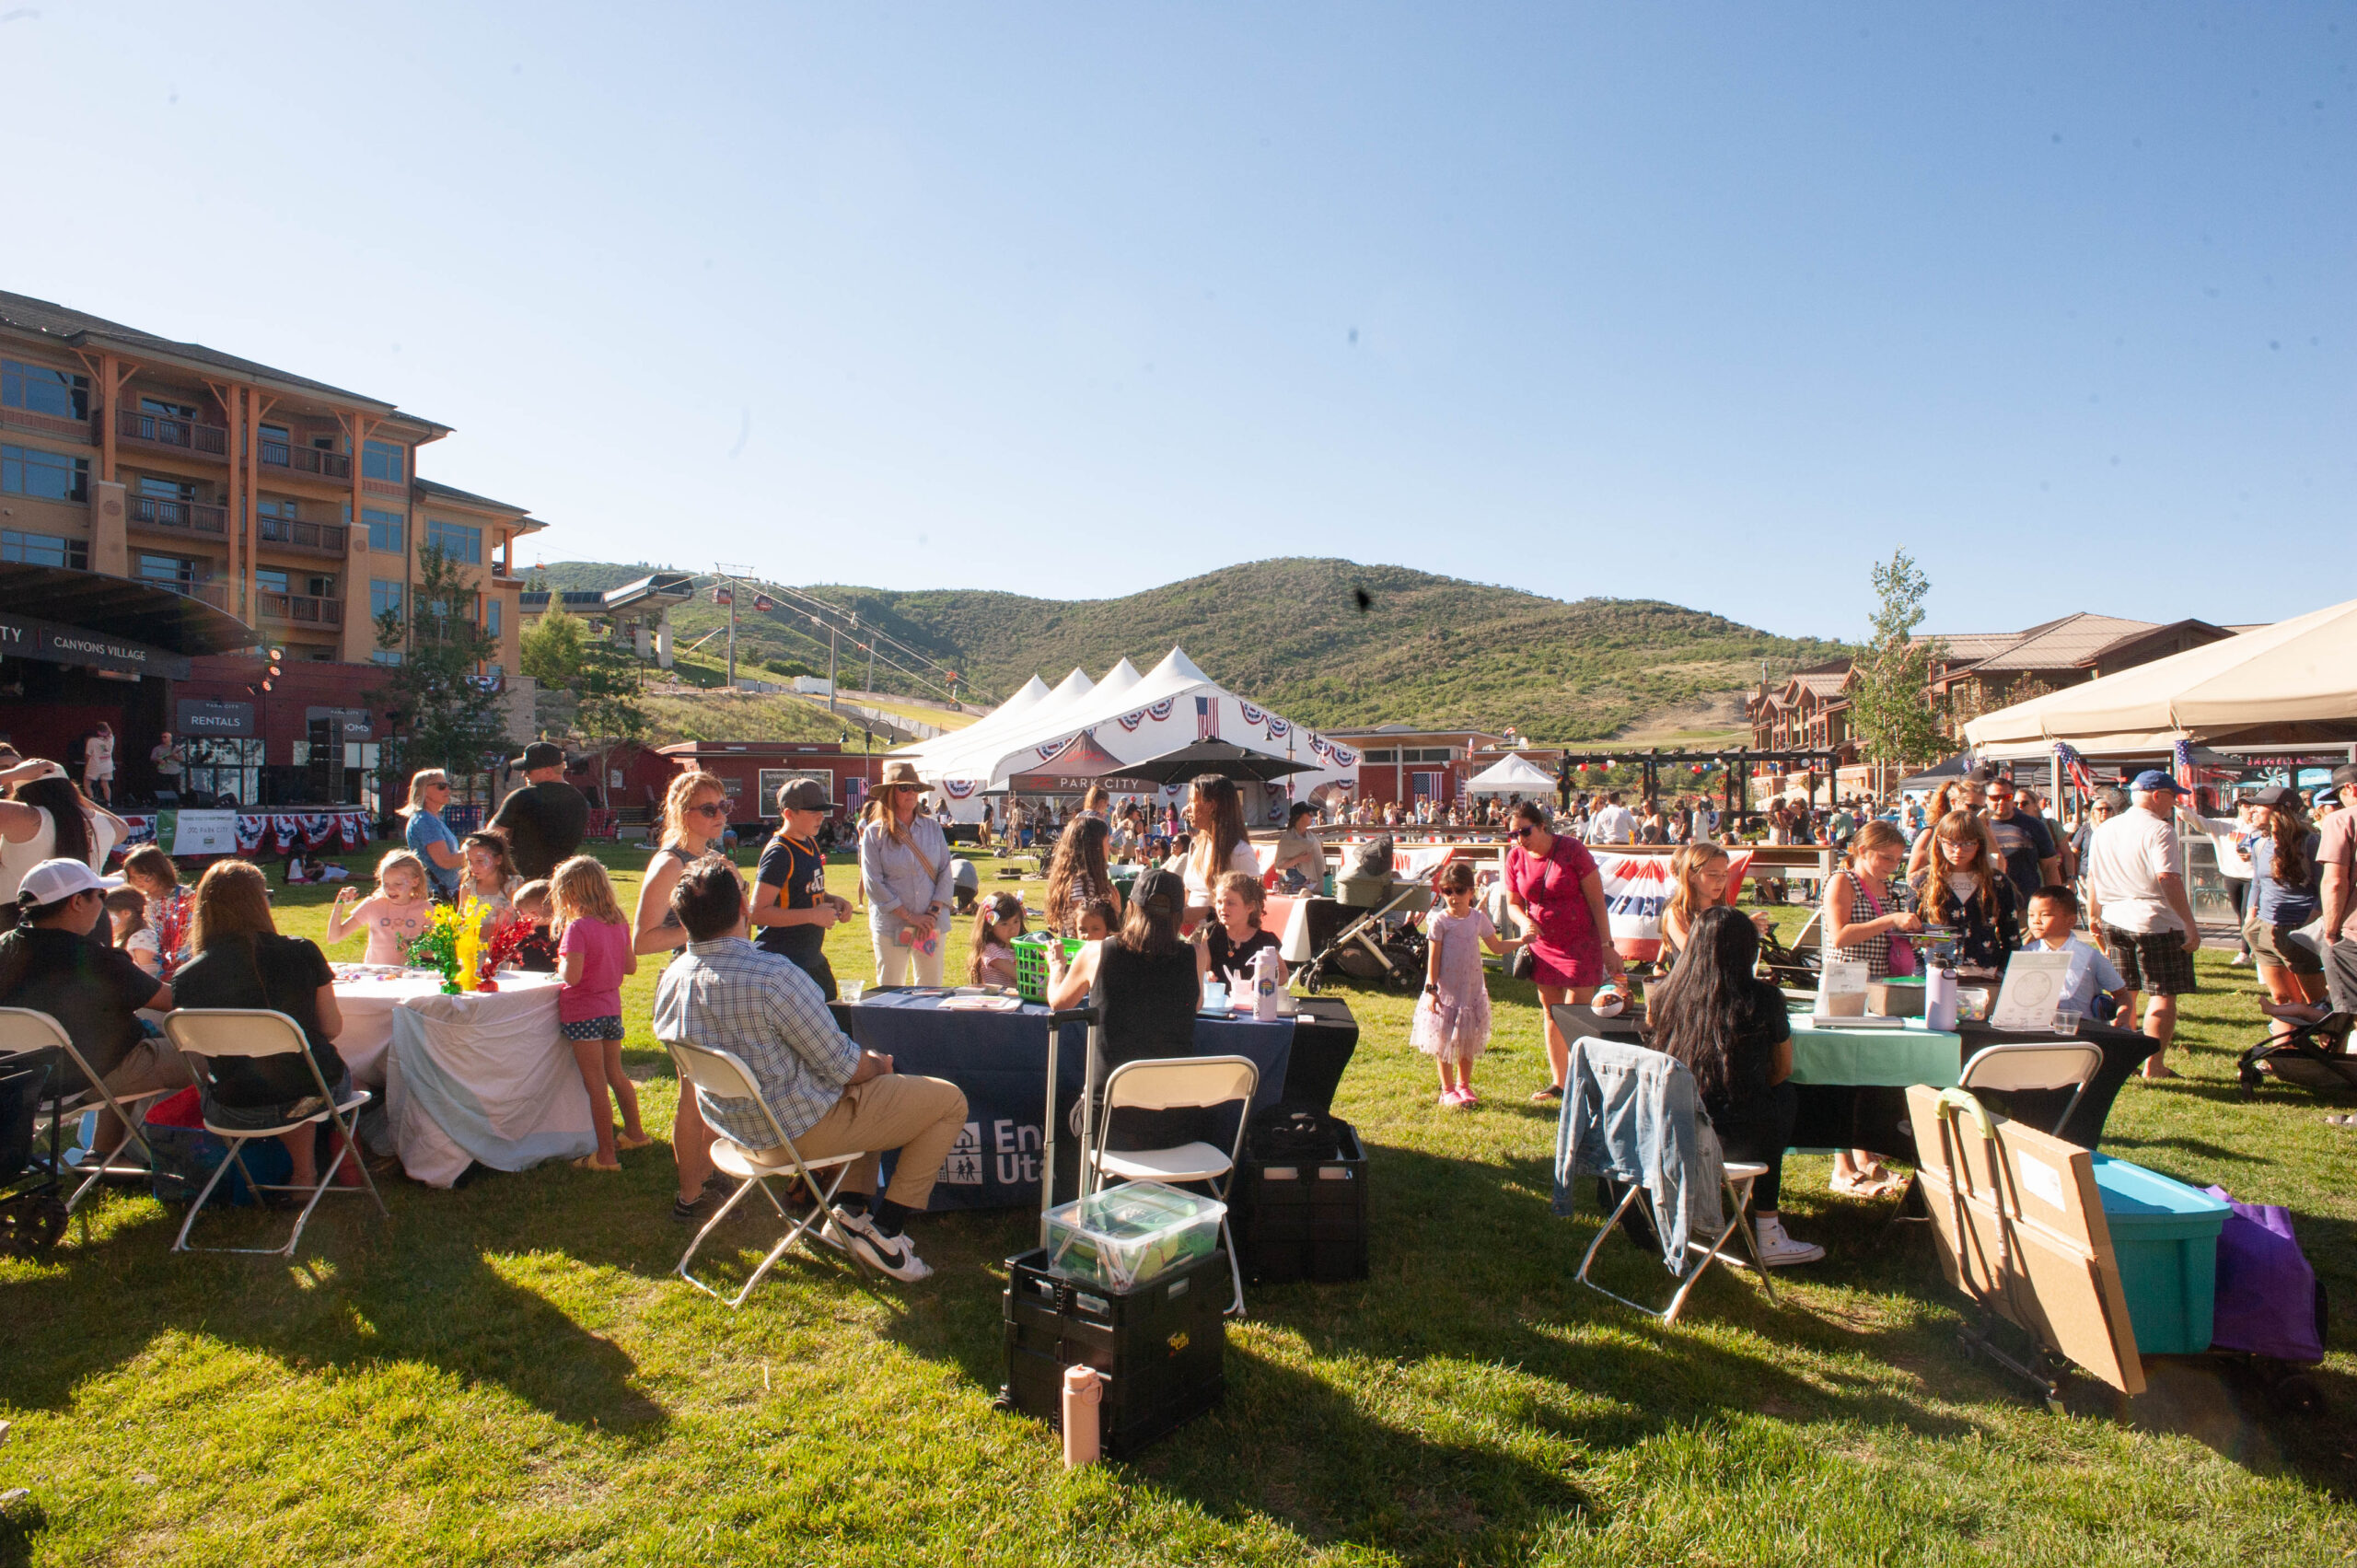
(482, 1076)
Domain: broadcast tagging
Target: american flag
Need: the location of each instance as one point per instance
(1207, 718)
(2076, 766)
(2182, 765)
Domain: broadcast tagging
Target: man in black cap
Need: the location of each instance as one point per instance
(546, 820)
(792, 910)
(2336, 858)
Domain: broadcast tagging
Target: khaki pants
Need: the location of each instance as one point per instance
(150, 1065)
(920, 1116)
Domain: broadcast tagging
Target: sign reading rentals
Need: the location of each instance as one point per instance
(21, 636)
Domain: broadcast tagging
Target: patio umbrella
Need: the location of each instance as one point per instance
(1214, 757)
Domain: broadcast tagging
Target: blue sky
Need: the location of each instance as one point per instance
(1703, 303)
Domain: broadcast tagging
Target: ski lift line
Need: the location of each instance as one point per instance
(942, 677)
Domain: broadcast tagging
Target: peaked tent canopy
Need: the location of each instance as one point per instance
(2290, 684)
(1512, 776)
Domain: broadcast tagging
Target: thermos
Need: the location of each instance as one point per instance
(1264, 984)
(1084, 1389)
(1939, 997)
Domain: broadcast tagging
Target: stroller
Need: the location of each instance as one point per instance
(2310, 1058)
(1382, 940)
(32, 1214)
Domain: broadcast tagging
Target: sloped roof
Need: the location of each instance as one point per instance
(78, 329)
(2071, 641)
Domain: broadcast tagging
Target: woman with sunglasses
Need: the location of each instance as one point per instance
(1554, 885)
(695, 813)
(911, 877)
(430, 838)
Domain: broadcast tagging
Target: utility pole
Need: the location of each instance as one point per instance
(732, 637)
(831, 670)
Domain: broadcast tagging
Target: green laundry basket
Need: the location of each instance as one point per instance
(2165, 1235)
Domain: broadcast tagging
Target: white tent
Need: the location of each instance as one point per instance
(1512, 776)
(1134, 718)
(2291, 682)
(948, 756)
(1026, 697)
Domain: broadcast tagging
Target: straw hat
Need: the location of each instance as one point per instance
(899, 774)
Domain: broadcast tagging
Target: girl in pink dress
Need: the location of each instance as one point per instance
(1452, 1023)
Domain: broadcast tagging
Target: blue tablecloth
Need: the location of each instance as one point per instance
(1001, 1061)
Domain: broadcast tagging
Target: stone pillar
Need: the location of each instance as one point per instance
(109, 548)
(663, 641)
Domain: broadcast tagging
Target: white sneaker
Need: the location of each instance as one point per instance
(886, 1254)
(1778, 1251)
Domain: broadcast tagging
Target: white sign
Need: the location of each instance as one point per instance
(2034, 986)
(198, 833)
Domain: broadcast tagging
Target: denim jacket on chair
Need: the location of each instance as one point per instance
(1632, 1114)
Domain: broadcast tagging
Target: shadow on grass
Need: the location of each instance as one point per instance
(361, 1293)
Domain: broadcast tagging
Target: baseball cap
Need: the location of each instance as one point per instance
(540, 754)
(54, 881)
(2345, 775)
(2273, 795)
(2152, 780)
(803, 795)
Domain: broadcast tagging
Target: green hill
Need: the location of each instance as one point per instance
(1425, 650)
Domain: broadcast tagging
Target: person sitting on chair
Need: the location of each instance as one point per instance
(830, 1096)
(1144, 980)
(1730, 1029)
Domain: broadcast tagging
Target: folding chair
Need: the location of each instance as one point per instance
(203, 1033)
(724, 1077)
(2006, 1068)
(21, 1029)
(1178, 1083)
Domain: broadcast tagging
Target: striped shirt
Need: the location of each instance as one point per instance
(726, 995)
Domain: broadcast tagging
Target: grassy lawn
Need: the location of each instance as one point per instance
(505, 1374)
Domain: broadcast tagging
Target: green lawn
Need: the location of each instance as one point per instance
(506, 1374)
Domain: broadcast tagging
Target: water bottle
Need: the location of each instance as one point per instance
(1084, 1389)
(1264, 984)
(1939, 998)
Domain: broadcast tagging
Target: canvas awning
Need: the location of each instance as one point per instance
(2293, 682)
(1512, 776)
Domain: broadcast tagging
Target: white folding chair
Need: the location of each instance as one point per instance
(1178, 1083)
(2024, 1064)
(1740, 1175)
(722, 1076)
(21, 1029)
(205, 1033)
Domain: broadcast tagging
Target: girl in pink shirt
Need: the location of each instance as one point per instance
(593, 955)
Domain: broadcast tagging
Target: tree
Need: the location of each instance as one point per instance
(588, 685)
(448, 716)
(1891, 700)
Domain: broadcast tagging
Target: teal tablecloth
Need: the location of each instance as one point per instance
(1885, 1058)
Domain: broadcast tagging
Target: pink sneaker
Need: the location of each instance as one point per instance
(1465, 1096)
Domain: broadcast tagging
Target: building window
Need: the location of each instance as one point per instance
(385, 655)
(384, 598)
(384, 531)
(156, 489)
(175, 572)
(320, 654)
(43, 550)
(455, 541)
(270, 579)
(1382, 757)
(38, 389)
(320, 588)
(274, 506)
(382, 459)
(490, 617)
(49, 476)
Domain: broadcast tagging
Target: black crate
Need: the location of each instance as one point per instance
(1302, 1219)
(1161, 1347)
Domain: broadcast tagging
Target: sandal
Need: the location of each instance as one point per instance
(624, 1141)
(589, 1162)
(1552, 1092)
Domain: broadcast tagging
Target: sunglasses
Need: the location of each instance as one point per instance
(709, 808)
(1522, 833)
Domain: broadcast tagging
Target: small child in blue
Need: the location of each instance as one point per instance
(2053, 914)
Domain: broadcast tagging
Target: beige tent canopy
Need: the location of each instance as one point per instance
(2292, 683)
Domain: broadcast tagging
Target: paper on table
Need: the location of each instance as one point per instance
(2034, 986)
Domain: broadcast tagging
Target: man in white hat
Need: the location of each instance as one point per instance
(52, 964)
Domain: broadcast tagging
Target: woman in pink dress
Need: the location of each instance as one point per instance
(1554, 885)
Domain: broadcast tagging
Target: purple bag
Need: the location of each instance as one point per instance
(2266, 1291)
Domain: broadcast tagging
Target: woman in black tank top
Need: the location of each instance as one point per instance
(1144, 980)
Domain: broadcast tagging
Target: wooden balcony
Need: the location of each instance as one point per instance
(290, 533)
(162, 515)
(305, 460)
(299, 609)
(177, 434)
(215, 594)
(85, 430)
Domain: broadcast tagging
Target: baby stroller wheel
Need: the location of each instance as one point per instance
(31, 1224)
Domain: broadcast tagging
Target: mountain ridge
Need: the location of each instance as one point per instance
(1427, 650)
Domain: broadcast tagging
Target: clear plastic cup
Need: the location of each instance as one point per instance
(853, 991)
(2066, 1021)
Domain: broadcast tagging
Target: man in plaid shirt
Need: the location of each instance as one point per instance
(830, 1096)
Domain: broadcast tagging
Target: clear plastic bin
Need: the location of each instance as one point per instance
(1127, 1236)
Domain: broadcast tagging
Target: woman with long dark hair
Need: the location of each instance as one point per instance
(1215, 814)
(2284, 897)
(1729, 1027)
(1078, 875)
(1145, 980)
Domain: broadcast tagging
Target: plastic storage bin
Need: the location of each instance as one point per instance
(2165, 1235)
(1124, 1237)
(1162, 1348)
(1031, 963)
(1304, 1219)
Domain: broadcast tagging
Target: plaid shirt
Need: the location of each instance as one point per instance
(726, 995)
